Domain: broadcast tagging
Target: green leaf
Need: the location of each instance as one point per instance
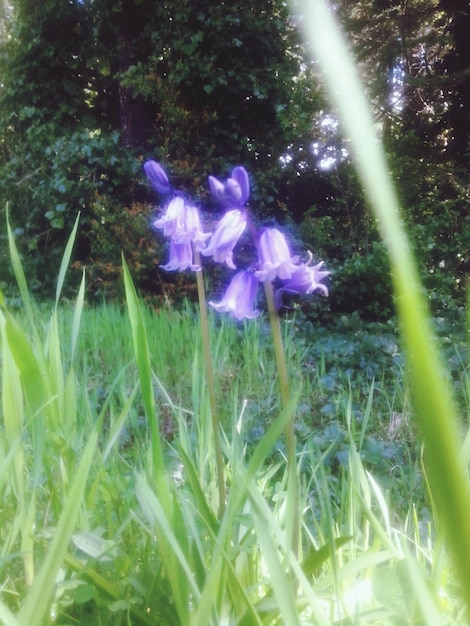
(19, 273)
(316, 558)
(6, 617)
(142, 357)
(433, 402)
(65, 258)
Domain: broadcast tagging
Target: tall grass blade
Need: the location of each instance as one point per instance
(40, 595)
(65, 261)
(172, 552)
(141, 351)
(270, 536)
(433, 403)
(33, 384)
(199, 495)
(119, 424)
(54, 379)
(77, 316)
(238, 494)
(19, 273)
(13, 413)
(280, 579)
(6, 616)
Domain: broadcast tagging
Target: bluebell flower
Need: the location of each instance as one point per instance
(240, 296)
(226, 235)
(274, 257)
(304, 280)
(234, 192)
(307, 279)
(181, 222)
(181, 257)
(157, 177)
(173, 215)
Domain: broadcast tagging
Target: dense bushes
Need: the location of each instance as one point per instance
(91, 90)
(49, 180)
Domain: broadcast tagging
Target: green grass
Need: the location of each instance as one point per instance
(128, 556)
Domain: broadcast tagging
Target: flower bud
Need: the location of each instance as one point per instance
(157, 177)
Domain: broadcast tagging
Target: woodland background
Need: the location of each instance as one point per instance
(90, 89)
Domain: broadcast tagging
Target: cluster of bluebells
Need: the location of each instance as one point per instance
(182, 224)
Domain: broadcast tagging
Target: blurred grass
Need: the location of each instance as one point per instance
(362, 486)
(434, 403)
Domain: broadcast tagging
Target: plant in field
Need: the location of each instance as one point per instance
(275, 266)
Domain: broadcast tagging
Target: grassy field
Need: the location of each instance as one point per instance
(92, 532)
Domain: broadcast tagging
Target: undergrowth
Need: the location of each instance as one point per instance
(365, 505)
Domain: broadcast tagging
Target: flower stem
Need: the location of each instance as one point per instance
(210, 383)
(292, 491)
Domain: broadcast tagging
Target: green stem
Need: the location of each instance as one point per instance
(210, 383)
(290, 428)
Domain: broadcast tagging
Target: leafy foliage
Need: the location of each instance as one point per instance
(91, 90)
(115, 571)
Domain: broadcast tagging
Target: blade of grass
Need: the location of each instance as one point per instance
(13, 413)
(19, 274)
(268, 529)
(203, 507)
(65, 261)
(40, 594)
(312, 563)
(55, 377)
(119, 424)
(142, 357)
(171, 548)
(77, 316)
(6, 616)
(237, 495)
(35, 394)
(433, 403)
(280, 580)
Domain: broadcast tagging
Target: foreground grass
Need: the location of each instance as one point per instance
(369, 550)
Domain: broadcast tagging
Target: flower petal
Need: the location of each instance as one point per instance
(225, 237)
(275, 260)
(240, 296)
(304, 280)
(181, 257)
(241, 176)
(182, 223)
